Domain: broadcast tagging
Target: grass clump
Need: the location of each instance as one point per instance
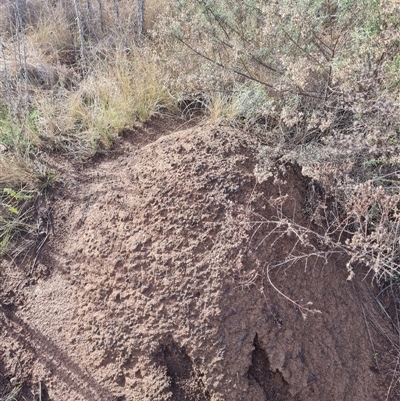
(121, 92)
(15, 216)
(13, 394)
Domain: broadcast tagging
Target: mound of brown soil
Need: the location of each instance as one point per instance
(157, 288)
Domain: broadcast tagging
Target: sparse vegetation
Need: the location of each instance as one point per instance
(316, 81)
(13, 395)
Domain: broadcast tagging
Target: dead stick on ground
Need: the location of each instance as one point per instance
(391, 383)
(49, 230)
(370, 338)
(38, 253)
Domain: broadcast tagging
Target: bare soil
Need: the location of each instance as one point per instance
(153, 287)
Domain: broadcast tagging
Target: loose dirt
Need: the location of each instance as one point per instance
(154, 287)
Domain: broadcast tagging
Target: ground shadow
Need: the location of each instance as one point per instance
(55, 359)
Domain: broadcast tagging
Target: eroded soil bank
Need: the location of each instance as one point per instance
(154, 287)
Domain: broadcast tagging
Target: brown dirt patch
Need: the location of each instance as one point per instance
(153, 287)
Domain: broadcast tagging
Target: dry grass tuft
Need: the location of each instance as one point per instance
(121, 91)
(15, 170)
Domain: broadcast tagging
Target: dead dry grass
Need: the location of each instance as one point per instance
(120, 92)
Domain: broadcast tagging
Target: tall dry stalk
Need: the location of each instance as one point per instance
(21, 43)
(90, 19)
(140, 17)
(6, 81)
(81, 33)
(101, 18)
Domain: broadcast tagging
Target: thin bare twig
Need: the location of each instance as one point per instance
(303, 309)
